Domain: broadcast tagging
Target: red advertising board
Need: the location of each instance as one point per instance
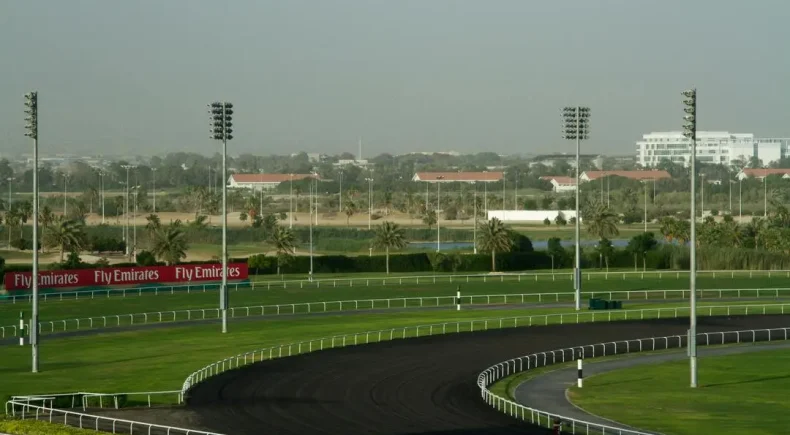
(111, 276)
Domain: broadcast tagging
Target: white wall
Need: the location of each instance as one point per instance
(529, 215)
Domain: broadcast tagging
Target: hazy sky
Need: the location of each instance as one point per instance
(406, 75)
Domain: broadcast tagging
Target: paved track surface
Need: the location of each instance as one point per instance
(415, 386)
(548, 391)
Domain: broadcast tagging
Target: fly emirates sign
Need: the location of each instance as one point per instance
(125, 276)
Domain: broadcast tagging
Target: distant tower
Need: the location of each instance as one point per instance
(359, 156)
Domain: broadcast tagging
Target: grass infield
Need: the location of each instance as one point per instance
(744, 393)
(53, 309)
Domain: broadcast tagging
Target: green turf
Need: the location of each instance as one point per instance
(53, 309)
(744, 393)
(31, 427)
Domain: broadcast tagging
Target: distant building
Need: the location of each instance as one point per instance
(262, 181)
(713, 147)
(633, 175)
(458, 177)
(561, 184)
(762, 173)
(552, 159)
(355, 162)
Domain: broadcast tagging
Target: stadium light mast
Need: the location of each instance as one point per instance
(31, 109)
(690, 132)
(577, 127)
(222, 130)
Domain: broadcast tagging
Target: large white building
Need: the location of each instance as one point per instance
(713, 147)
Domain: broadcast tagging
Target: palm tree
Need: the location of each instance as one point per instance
(602, 222)
(91, 195)
(169, 244)
(46, 217)
(13, 220)
(283, 240)
(153, 223)
(67, 235)
(668, 228)
(389, 235)
(349, 208)
(494, 236)
(430, 218)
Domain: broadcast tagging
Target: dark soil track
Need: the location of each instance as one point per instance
(415, 386)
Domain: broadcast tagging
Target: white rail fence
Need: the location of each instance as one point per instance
(384, 281)
(513, 366)
(131, 319)
(301, 347)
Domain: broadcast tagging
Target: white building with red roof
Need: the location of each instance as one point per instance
(560, 183)
(458, 177)
(633, 175)
(762, 173)
(263, 181)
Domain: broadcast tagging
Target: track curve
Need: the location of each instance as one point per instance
(415, 386)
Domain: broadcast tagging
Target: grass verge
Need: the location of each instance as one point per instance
(53, 309)
(744, 393)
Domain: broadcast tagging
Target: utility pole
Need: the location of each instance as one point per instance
(690, 131)
(370, 198)
(474, 216)
(101, 179)
(291, 202)
(438, 207)
(221, 129)
(8, 208)
(31, 109)
(65, 193)
(153, 185)
(126, 212)
(340, 195)
(577, 127)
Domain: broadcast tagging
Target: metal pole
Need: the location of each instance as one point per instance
(7, 209)
(153, 181)
(65, 193)
(224, 293)
(578, 260)
(101, 174)
(438, 206)
(765, 195)
(291, 203)
(370, 199)
(740, 199)
(515, 194)
(503, 195)
(702, 196)
(311, 230)
(474, 215)
(340, 195)
(134, 227)
(730, 181)
(126, 212)
(645, 206)
(34, 319)
(693, 267)
(485, 198)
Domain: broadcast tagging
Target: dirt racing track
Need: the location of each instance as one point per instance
(414, 386)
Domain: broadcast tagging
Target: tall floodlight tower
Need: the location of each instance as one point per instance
(577, 128)
(690, 131)
(222, 130)
(31, 109)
